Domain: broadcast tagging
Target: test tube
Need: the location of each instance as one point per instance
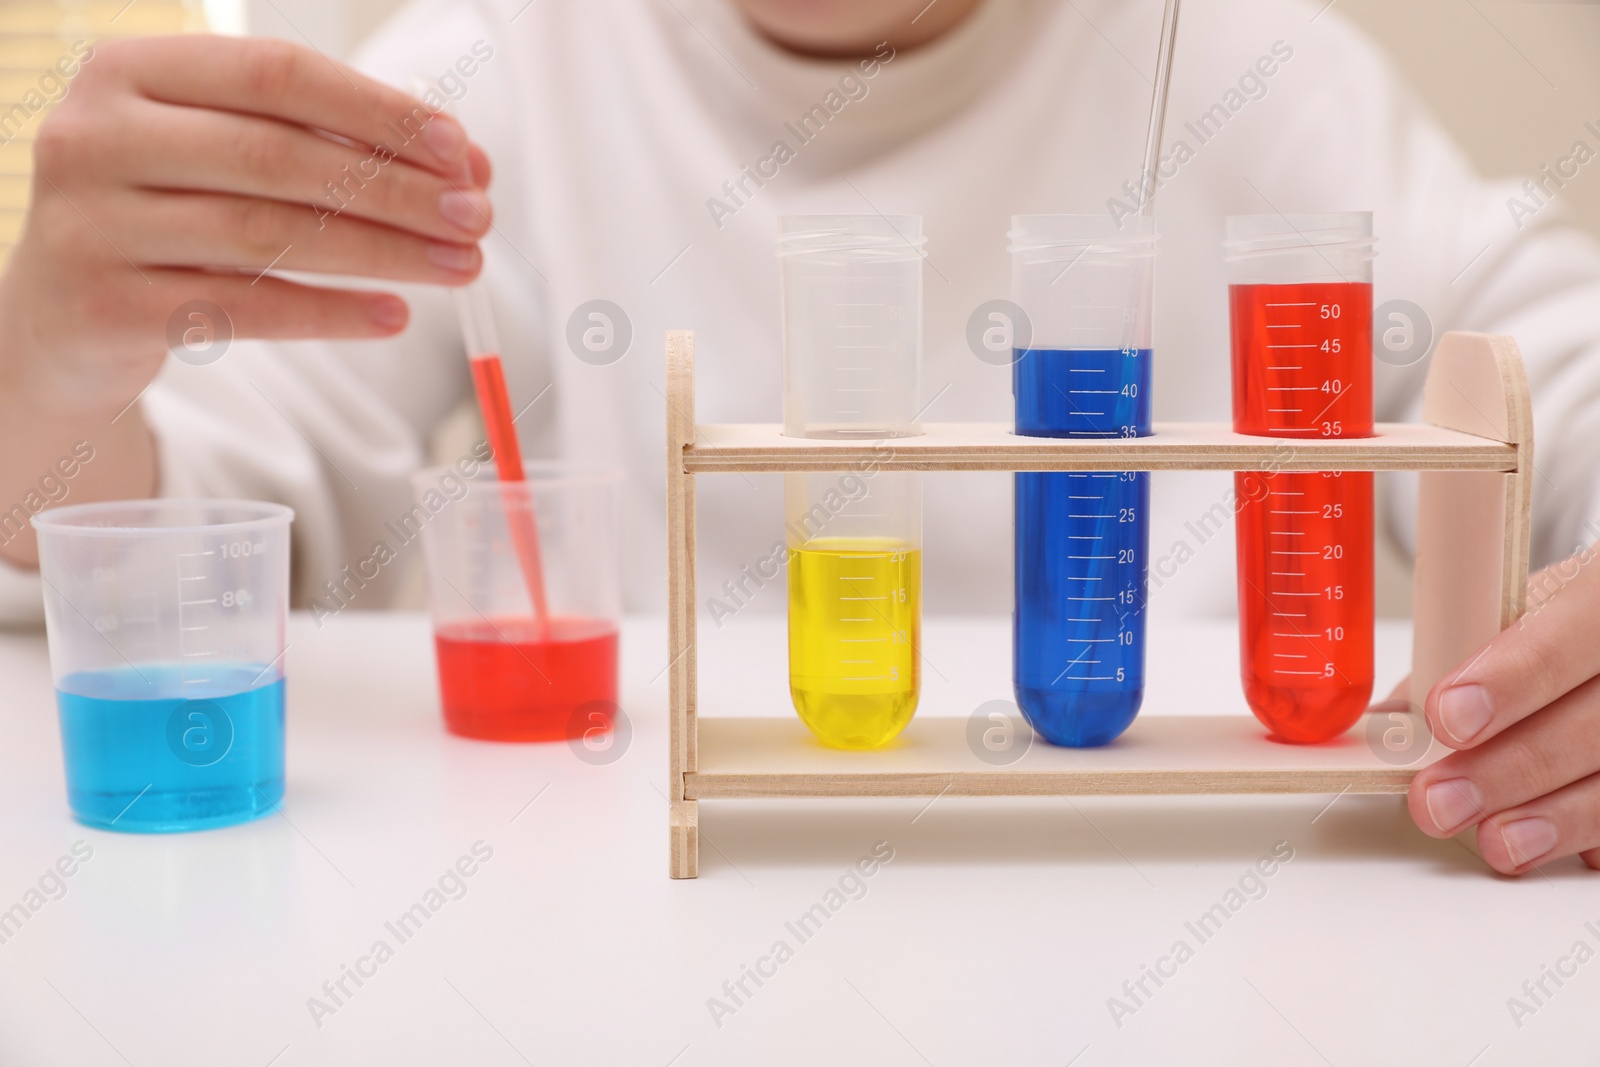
(1082, 538)
(1300, 301)
(852, 343)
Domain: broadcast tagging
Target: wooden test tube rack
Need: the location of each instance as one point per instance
(1475, 450)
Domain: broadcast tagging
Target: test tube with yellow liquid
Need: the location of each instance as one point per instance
(852, 313)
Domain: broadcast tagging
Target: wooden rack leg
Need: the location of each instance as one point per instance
(685, 839)
(684, 817)
(1472, 527)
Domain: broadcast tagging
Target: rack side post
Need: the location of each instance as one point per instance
(682, 743)
(1472, 526)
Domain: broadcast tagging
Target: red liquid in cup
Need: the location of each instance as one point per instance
(1302, 367)
(509, 680)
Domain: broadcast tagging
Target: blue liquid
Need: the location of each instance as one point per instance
(1082, 545)
(148, 753)
(1082, 392)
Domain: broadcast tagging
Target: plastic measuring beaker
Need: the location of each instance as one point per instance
(503, 676)
(166, 625)
(1300, 299)
(852, 329)
(1082, 538)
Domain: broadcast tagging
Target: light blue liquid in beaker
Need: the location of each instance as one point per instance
(151, 750)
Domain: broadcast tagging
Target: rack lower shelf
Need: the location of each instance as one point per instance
(1158, 756)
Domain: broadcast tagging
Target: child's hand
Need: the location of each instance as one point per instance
(1525, 714)
(176, 171)
(180, 168)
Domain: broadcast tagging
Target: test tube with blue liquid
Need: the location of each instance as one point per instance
(166, 625)
(1082, 537)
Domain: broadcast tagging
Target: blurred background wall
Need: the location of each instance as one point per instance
(1513, 80)
(35, 35)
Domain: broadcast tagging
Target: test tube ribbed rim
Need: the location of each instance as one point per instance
(1076, 236)
(880, 236)
(1250, 236)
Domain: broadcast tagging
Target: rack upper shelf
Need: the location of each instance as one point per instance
(959, 446)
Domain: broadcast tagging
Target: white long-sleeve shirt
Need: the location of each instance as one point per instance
(620, 131)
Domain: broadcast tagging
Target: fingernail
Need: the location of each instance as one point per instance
(444, 138)
(1464, 710)
(461, 258)
(1528, 839)
(1452, 803)
(389, 312)
(468, 210)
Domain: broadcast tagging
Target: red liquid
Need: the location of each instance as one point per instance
(513, 680)
(1302, 367)
(1302, 359)
(494, 401)
(1305, 599)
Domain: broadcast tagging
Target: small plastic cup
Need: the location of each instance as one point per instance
(505, 675)
(166, 624)
(852, 324)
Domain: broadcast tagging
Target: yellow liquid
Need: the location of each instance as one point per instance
(855, 630)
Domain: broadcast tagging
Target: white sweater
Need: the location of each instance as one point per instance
(620, 130)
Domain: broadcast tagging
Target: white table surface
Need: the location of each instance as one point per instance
(995, 935)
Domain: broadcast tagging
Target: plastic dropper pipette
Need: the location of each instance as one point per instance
(494, 402)
(482, 343)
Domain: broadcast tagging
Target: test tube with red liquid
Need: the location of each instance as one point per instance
(1300, 302)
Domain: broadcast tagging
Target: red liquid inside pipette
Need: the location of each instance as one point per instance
(489, 381)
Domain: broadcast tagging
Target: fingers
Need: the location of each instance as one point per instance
(128, 328)
(274, 309)
(1535, 757)
(482, 171)
(1549, 651)
(281, 80)
(243, 233)
(1560, 824)
(265, 158)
